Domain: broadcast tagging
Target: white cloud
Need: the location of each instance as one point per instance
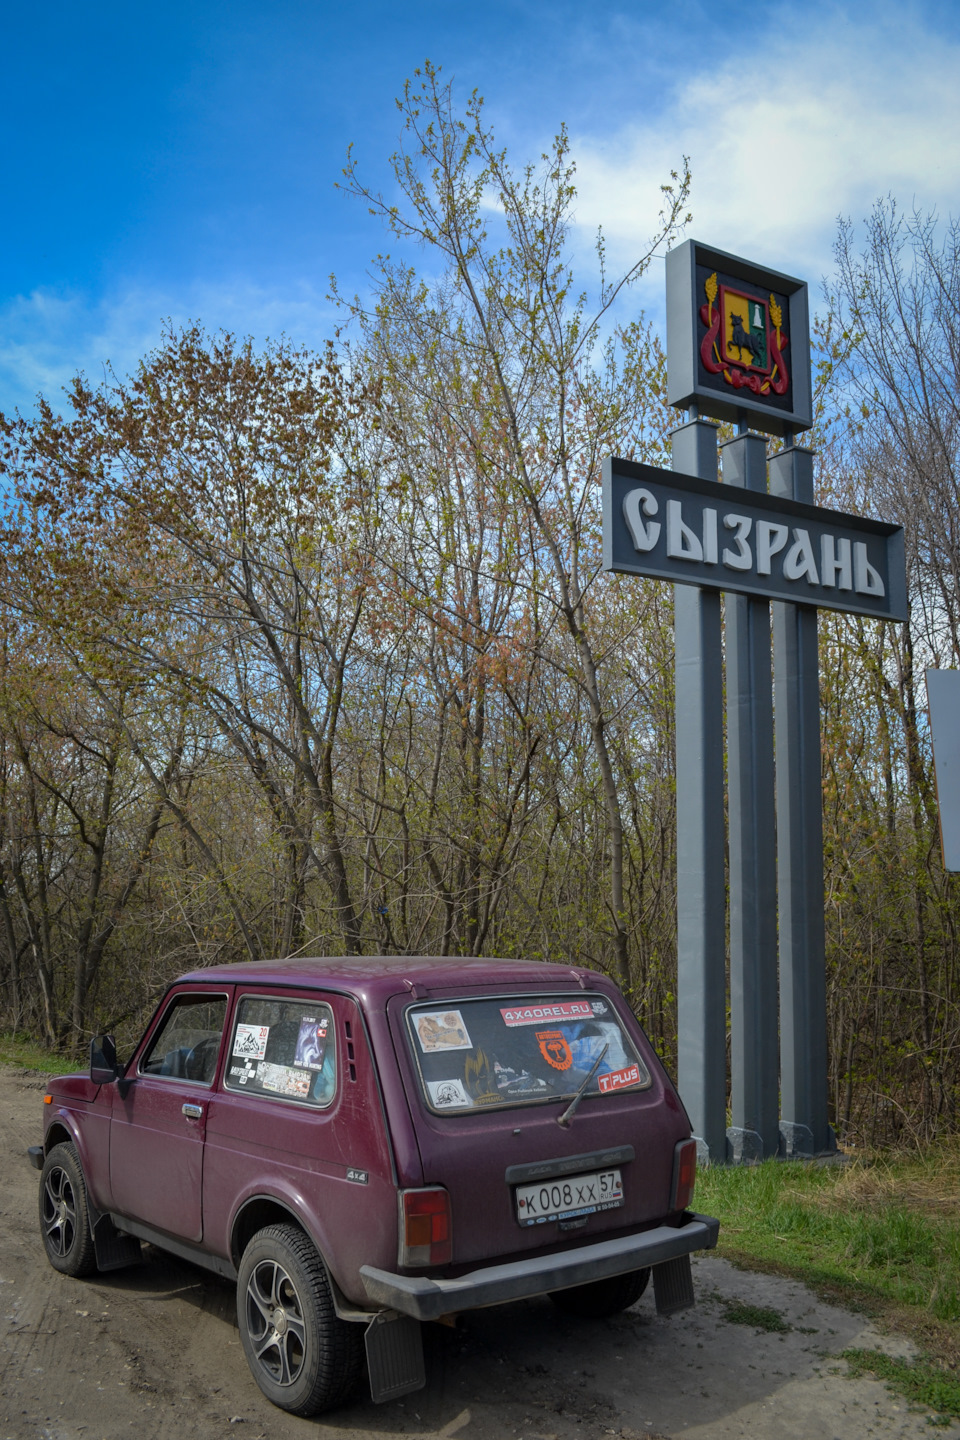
(48, 337)
(815, 118)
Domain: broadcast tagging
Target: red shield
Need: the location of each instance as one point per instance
(554, 1049)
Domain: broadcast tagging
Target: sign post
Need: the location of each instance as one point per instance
(943, 698)
(701, 919)
(738, 350)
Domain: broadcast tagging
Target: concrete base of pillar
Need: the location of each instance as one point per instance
(744, 1147)
(796, 1142)
(704, 1157)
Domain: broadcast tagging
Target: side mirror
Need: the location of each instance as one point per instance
(103, 1060)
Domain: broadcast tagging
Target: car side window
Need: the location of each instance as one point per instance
(188, 1041)
(284, 1049)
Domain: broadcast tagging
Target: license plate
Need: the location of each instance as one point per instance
(567, 1198)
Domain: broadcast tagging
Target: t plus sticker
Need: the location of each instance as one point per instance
(619, 1079)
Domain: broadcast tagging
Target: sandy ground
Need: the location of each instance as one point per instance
(153, 1353)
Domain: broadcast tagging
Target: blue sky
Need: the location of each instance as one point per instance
(179, 161)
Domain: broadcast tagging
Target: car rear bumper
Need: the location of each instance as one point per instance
(428, 1299)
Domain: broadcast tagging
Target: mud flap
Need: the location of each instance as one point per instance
(113, 1249)
(394, 1356)
(673, 1285)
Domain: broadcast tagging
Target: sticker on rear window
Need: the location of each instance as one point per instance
(251, 1040)
(619, 1079)
(448, 1095)
(441, 1030)
(311, 1042)
(554, 1048)
(544, 1014)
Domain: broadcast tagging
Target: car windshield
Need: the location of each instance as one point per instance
(519, 1051)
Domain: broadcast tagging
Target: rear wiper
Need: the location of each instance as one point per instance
(567, 1115)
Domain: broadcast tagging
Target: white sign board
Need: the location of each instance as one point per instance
(699, 532)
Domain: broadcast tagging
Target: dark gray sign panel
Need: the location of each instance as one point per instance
(697, 532)
(943, 696)
(738, 340)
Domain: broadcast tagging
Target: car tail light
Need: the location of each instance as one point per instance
(426, 1227)
(684, 1174)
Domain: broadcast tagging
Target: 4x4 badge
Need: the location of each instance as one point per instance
(359, 1177)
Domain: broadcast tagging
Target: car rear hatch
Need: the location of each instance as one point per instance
(489, 1076)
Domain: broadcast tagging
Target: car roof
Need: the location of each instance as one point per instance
(376, 977)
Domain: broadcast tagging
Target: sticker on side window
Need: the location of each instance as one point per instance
(441, 1030)
(283, 1080)
(251, 1041)
(540, 1014)
(312, 1042)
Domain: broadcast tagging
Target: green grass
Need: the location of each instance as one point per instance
(29, 1055)
(918, 1381)
(759, 1317)
(880, 1235)
(885, 1235)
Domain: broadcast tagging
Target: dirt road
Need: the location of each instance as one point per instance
(153, 1353)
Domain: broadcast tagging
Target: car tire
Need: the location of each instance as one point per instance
(64, 1214)
(602, 1297)
(302, 1355)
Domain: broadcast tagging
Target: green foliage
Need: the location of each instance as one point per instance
(24, 1052)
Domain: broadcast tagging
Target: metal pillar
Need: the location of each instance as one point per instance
(701, 901)
(804, 1127)
(754, 1059)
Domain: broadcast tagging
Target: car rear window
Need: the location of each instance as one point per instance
(521, 1051)
(284, 1049)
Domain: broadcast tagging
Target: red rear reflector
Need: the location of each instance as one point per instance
(426, 1227)
(684, 1174)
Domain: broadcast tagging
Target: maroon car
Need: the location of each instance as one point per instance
(365, 1144)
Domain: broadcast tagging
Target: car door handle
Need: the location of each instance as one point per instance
(193, 1112)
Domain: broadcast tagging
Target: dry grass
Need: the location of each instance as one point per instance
(928, 1184)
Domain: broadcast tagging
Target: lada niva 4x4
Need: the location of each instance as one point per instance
(366, 1144)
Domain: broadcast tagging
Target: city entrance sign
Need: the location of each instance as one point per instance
(698, 532)
(749, 793)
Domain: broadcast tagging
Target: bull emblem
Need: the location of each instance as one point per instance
(741, 340)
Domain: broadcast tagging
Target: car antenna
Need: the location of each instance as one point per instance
(567, 1115)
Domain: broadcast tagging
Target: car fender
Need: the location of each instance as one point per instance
(257, 1200)
(63, 1127)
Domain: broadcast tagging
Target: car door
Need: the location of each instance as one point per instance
(297, 1117)
(157, 1128)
